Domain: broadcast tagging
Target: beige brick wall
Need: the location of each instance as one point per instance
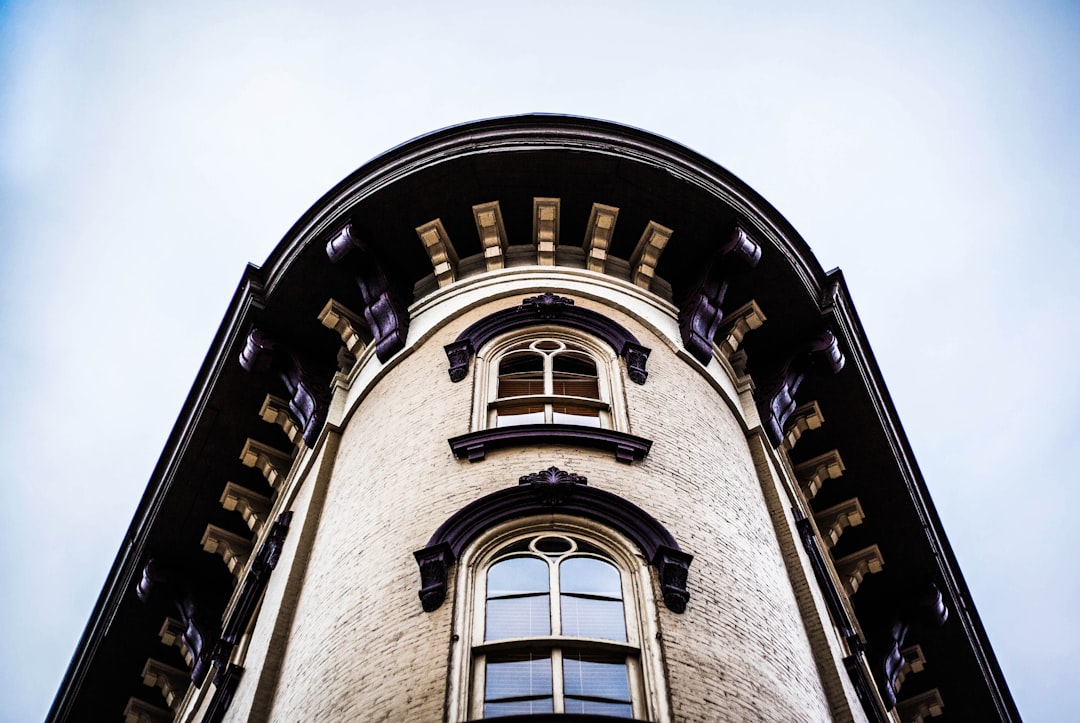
(359, 646)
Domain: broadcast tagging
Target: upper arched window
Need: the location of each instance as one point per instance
(548, 376)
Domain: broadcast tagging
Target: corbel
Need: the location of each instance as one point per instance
(853, 568)
(776, 400)
(914, 662)
(385, 306)
(545, 229)
(252, 506)
(918, 708)
(349, 326)
(492, 232)
(833, 521)
(173, 682)
(276, 411)
(172, 634)
(805, 418)
(647, 254)
(922, 610)
(309, 397)
(139, 711)
(439, 248)
(234, 549)
(200, 625)
(700, 313)
(813, 473)
(598, 232)
(272, 462)
(736, 326)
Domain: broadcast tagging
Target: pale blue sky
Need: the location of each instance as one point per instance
(928, 149)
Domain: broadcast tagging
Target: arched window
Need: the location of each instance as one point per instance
(556, 613)
(545, 375)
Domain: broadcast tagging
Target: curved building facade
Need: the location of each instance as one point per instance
(537, 418)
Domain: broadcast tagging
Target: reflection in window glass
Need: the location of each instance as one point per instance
(595, 685)
(517, 599)
(516, 685)
(591, 599)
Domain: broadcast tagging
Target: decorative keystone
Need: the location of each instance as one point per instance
(172, 681)
(546, 229)
(547, 306)
(234, 549)
(647, 254)
(440, 250)
(598, 233)
(172, 633)
(139, 711)
(492, 232)
(349, 326)
(920, 707)
(738, 323)
(252, 506)
(273, 463)
(806, 417)
(276, 411)
(833, 521)
(856, 566)
(813, 473)
(552, 486)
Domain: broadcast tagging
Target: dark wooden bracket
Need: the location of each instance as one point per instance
(776, 400)
(308, 395)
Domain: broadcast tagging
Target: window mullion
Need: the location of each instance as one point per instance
(557, 687)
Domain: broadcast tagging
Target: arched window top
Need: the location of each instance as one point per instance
(551, 310)
(543, 493)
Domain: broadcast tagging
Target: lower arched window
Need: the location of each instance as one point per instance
(556, 613)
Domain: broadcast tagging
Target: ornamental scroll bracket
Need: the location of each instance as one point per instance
(385, 306)
(700, 313)
(539, 494)
(309, 397)
(776, 399)
(547, 308)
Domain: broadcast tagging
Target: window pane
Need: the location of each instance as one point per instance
(581, 416)
(518, 684)
(514, 417)
(590, 676)
(589, 575)
(522, 363)
(573, 364)
(517, 617)
(588, 618)
(595, 707)
(519, 387)
(517, 575)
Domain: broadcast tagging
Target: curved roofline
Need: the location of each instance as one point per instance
(539, 131)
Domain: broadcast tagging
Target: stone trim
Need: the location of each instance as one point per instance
(805, 418)
(647, 254)
(474, 446)
(139, 711)
(547, 309)
(275, 410)
(920, 707)
(172, 633)
(252, 506)
(598, 232)
(832, 522)
(737, 325)
(545, 229)
(234, 549)
(492, 232)
(856, 566)
(173, 682)
(552, 490)
(348, 325)
(813, 473)
(439, 248)
(272, 462)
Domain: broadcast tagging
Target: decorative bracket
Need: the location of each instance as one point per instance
(776, 401)
(547, 308)
(598, 233)
(700, 313)
(492, 232)
(309, 398)
(385, 308)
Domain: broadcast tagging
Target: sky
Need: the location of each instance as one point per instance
(148, 151)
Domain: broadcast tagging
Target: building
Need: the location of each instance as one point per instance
(528, 417)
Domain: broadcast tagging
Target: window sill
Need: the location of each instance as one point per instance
(626, 447)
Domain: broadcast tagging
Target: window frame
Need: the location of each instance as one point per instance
(647, 684)
(612, 396)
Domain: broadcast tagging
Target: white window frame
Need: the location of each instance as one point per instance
(648, 687)
(612, 401)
